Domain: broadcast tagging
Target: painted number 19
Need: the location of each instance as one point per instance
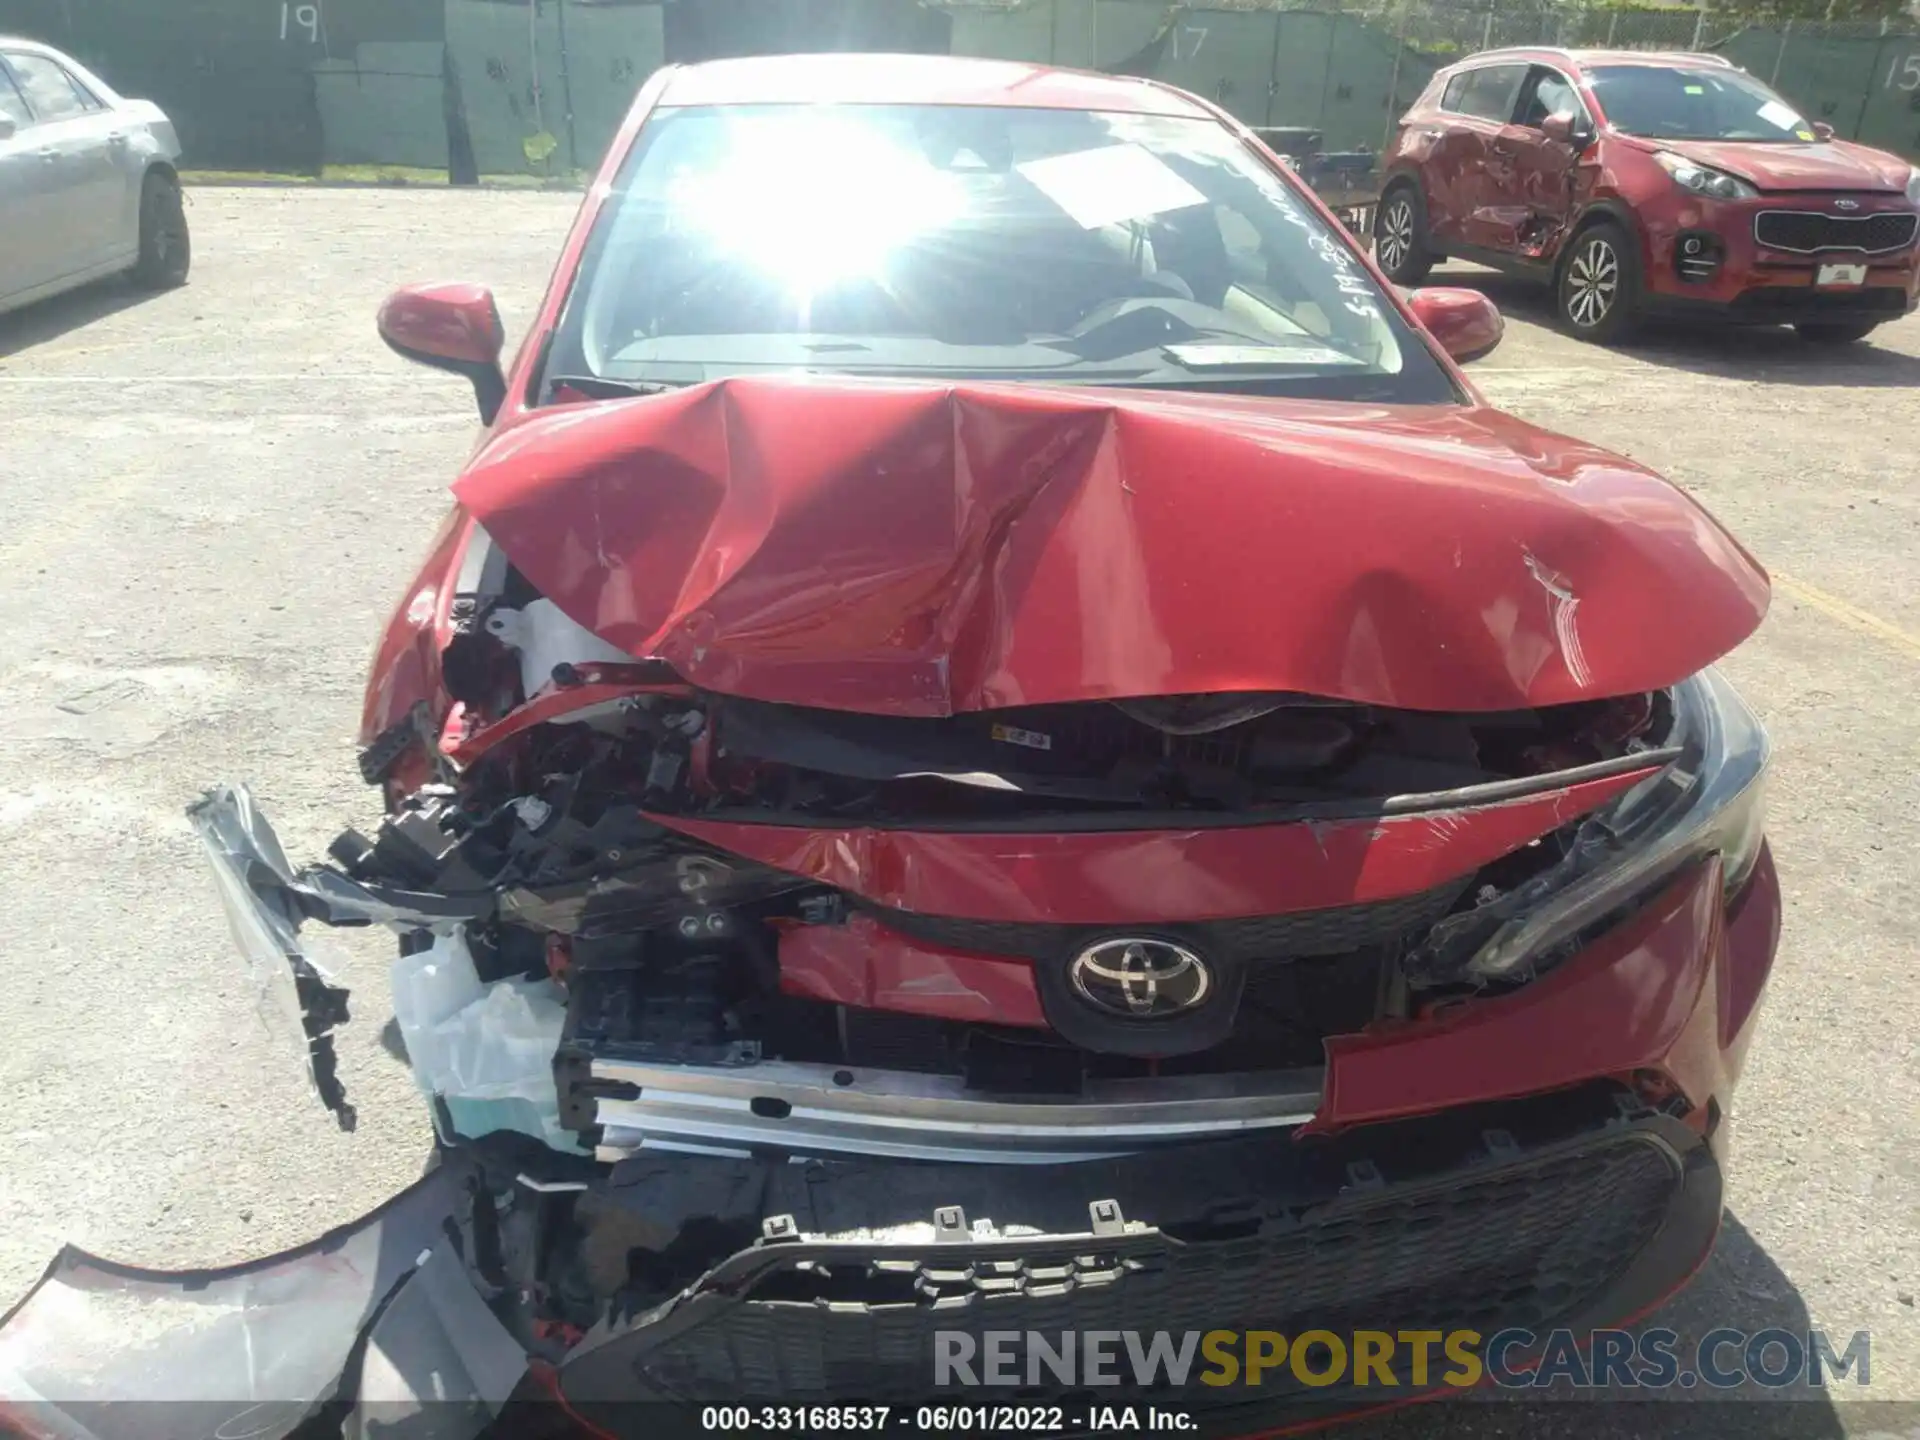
(300, 17)
(1904, 76)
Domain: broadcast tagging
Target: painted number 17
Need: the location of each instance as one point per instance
(1196, 37)
(300, 17)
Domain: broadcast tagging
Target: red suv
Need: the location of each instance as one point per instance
(1640, 184)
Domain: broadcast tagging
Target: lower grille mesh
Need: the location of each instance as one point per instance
(1526, 1245)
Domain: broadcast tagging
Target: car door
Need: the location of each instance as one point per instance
(1474, 106)
(82, 176)
(27, 257)
(1532, 179)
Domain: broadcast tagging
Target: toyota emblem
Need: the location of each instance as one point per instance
(1141, 979)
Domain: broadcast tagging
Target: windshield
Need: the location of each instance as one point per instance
(1661, 103)
(967, 242)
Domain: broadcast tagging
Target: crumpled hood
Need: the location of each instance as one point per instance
(1822, 165)
(916, 549)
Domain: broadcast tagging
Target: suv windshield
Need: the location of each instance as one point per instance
(1661, 103)
(968, 242)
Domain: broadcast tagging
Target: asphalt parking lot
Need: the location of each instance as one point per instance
(209, 500)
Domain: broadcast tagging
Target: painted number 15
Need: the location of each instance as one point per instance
(300, 17)
(1906, 73)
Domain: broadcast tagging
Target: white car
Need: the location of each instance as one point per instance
(87, 181)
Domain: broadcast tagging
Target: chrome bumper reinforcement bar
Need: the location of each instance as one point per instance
(822, 1109)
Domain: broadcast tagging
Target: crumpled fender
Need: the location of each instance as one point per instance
(915, 549)
(377, 1317)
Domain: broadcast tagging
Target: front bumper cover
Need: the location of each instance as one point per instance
(376, 1322)
(1544, 1194)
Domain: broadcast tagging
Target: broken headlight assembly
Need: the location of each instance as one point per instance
(1709, 801)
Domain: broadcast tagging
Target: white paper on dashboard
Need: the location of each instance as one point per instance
(1111, 184)
(1218, 355)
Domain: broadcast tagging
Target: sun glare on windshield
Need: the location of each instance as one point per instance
(814, 200)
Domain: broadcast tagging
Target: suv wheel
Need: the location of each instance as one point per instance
(1400, 236)
(1836, 332)
(1599, 289)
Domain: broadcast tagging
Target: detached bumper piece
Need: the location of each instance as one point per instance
(1576, 1210)
(262, 896)
(374, 1329)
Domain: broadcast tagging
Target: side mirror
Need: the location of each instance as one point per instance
(7, 127)
(452, 327)
(1465, 322)
(1568, 128)
(1822, 130)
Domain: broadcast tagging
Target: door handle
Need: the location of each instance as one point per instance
(117, 139)
(49, 155)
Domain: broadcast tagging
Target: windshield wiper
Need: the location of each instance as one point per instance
(598, 387)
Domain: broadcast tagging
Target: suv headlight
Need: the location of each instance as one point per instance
(1913, 186)
(1709, 800)
(1702, 180)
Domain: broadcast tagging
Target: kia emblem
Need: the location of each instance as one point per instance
(1846, 204)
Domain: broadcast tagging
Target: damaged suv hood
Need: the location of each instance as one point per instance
(916, 549)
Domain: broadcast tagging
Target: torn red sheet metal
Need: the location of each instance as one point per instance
(864, 964)
(1165, 877)
(914, 549)
(570, 702)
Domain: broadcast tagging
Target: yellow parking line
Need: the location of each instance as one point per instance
(1851, 616)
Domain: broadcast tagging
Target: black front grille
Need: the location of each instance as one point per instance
(1525, 1245)
(1334, 931)
(1805, 231)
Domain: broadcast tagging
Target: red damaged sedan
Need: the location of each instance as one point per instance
(998, 740)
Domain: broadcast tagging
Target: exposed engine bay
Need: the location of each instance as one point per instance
(580, 950)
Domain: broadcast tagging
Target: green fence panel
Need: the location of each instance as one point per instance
(1128, 30)
(236, 88)
(1371, 81)
(1302, 75)
(712, 29)
(497, 51)
(1866, 86)
(611, 50)
(1827, 79)
(1890, 111)
(1227, 56)
(1023, 32)
(384, 106)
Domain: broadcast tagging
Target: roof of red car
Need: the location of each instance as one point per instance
(917, 80)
